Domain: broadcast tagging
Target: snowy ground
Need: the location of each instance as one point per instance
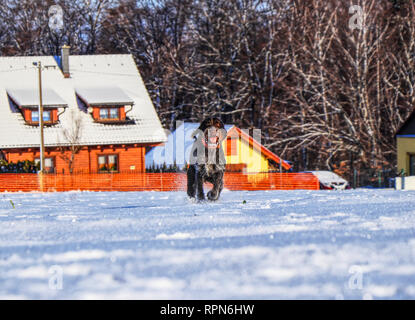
(250, 245)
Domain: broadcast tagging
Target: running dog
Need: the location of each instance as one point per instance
(207, 160)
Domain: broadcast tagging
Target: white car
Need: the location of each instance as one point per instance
(331, 181)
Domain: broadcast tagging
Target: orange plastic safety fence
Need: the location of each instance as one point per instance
(150, 182)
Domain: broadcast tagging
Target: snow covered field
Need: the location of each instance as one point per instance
(355, 244)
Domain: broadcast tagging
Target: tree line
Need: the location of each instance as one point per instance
(325, 93)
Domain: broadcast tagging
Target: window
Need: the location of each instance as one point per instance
(47, 116)
(412, 164)
(35, 116)
(113, 113)
(103, 113)
(49, 164)
(108, 163)
(109, 113)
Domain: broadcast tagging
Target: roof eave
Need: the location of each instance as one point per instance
(51, 106)
(98, 104)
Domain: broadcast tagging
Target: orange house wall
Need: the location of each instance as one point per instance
(27, 114)
(130, 158)
(95, 113)
(122, 113)
(54, 115)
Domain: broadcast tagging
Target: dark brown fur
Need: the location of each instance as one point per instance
(207, 164)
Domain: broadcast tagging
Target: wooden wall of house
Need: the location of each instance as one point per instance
(130, 158)
(238, 152)
(405, 148)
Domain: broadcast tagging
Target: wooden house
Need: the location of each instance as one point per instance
(98, 115)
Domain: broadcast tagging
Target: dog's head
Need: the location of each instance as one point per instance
(212, 132)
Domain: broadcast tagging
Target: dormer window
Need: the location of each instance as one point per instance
(31, 116)
(26, 101)
(105, 104)
(49, 116)
(109, 113)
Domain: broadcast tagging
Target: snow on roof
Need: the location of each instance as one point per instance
(89, 71)
(29, 97)
(177, 148)
(110, 95)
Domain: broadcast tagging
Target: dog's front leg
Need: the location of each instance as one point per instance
(191, 181)
(214, 194)
(199, 185)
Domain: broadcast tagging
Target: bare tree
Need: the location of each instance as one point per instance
(323, 94)
(72, 137)
(29, 32)
(335, 98)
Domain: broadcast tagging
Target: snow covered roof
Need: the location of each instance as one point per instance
(93, 73)
(110, 95)
(29, 97)
(177, 148)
